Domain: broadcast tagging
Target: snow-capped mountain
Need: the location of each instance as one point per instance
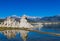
(37, 19)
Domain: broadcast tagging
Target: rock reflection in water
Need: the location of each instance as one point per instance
(9, 33)
(12, 33)
(24, 34)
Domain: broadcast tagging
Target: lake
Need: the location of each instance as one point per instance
(22, 35)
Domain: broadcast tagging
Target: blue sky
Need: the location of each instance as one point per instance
(29, 7)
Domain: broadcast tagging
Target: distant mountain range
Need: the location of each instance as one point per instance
(46, 19)
(38, 19)
(51, 19)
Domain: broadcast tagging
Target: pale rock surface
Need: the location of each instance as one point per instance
(24, 23)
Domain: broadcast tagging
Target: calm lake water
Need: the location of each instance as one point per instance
(22, 35)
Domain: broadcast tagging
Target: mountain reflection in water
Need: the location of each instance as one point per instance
(22, 35)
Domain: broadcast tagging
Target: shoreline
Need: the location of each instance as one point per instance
(27, 29)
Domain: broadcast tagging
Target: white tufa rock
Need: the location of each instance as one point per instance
(24, 23)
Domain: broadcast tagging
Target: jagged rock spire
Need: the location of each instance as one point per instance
(24, 23)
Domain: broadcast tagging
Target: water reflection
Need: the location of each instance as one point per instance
(12, 33)
(24, 34)
(32, 36)
(9, 33)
